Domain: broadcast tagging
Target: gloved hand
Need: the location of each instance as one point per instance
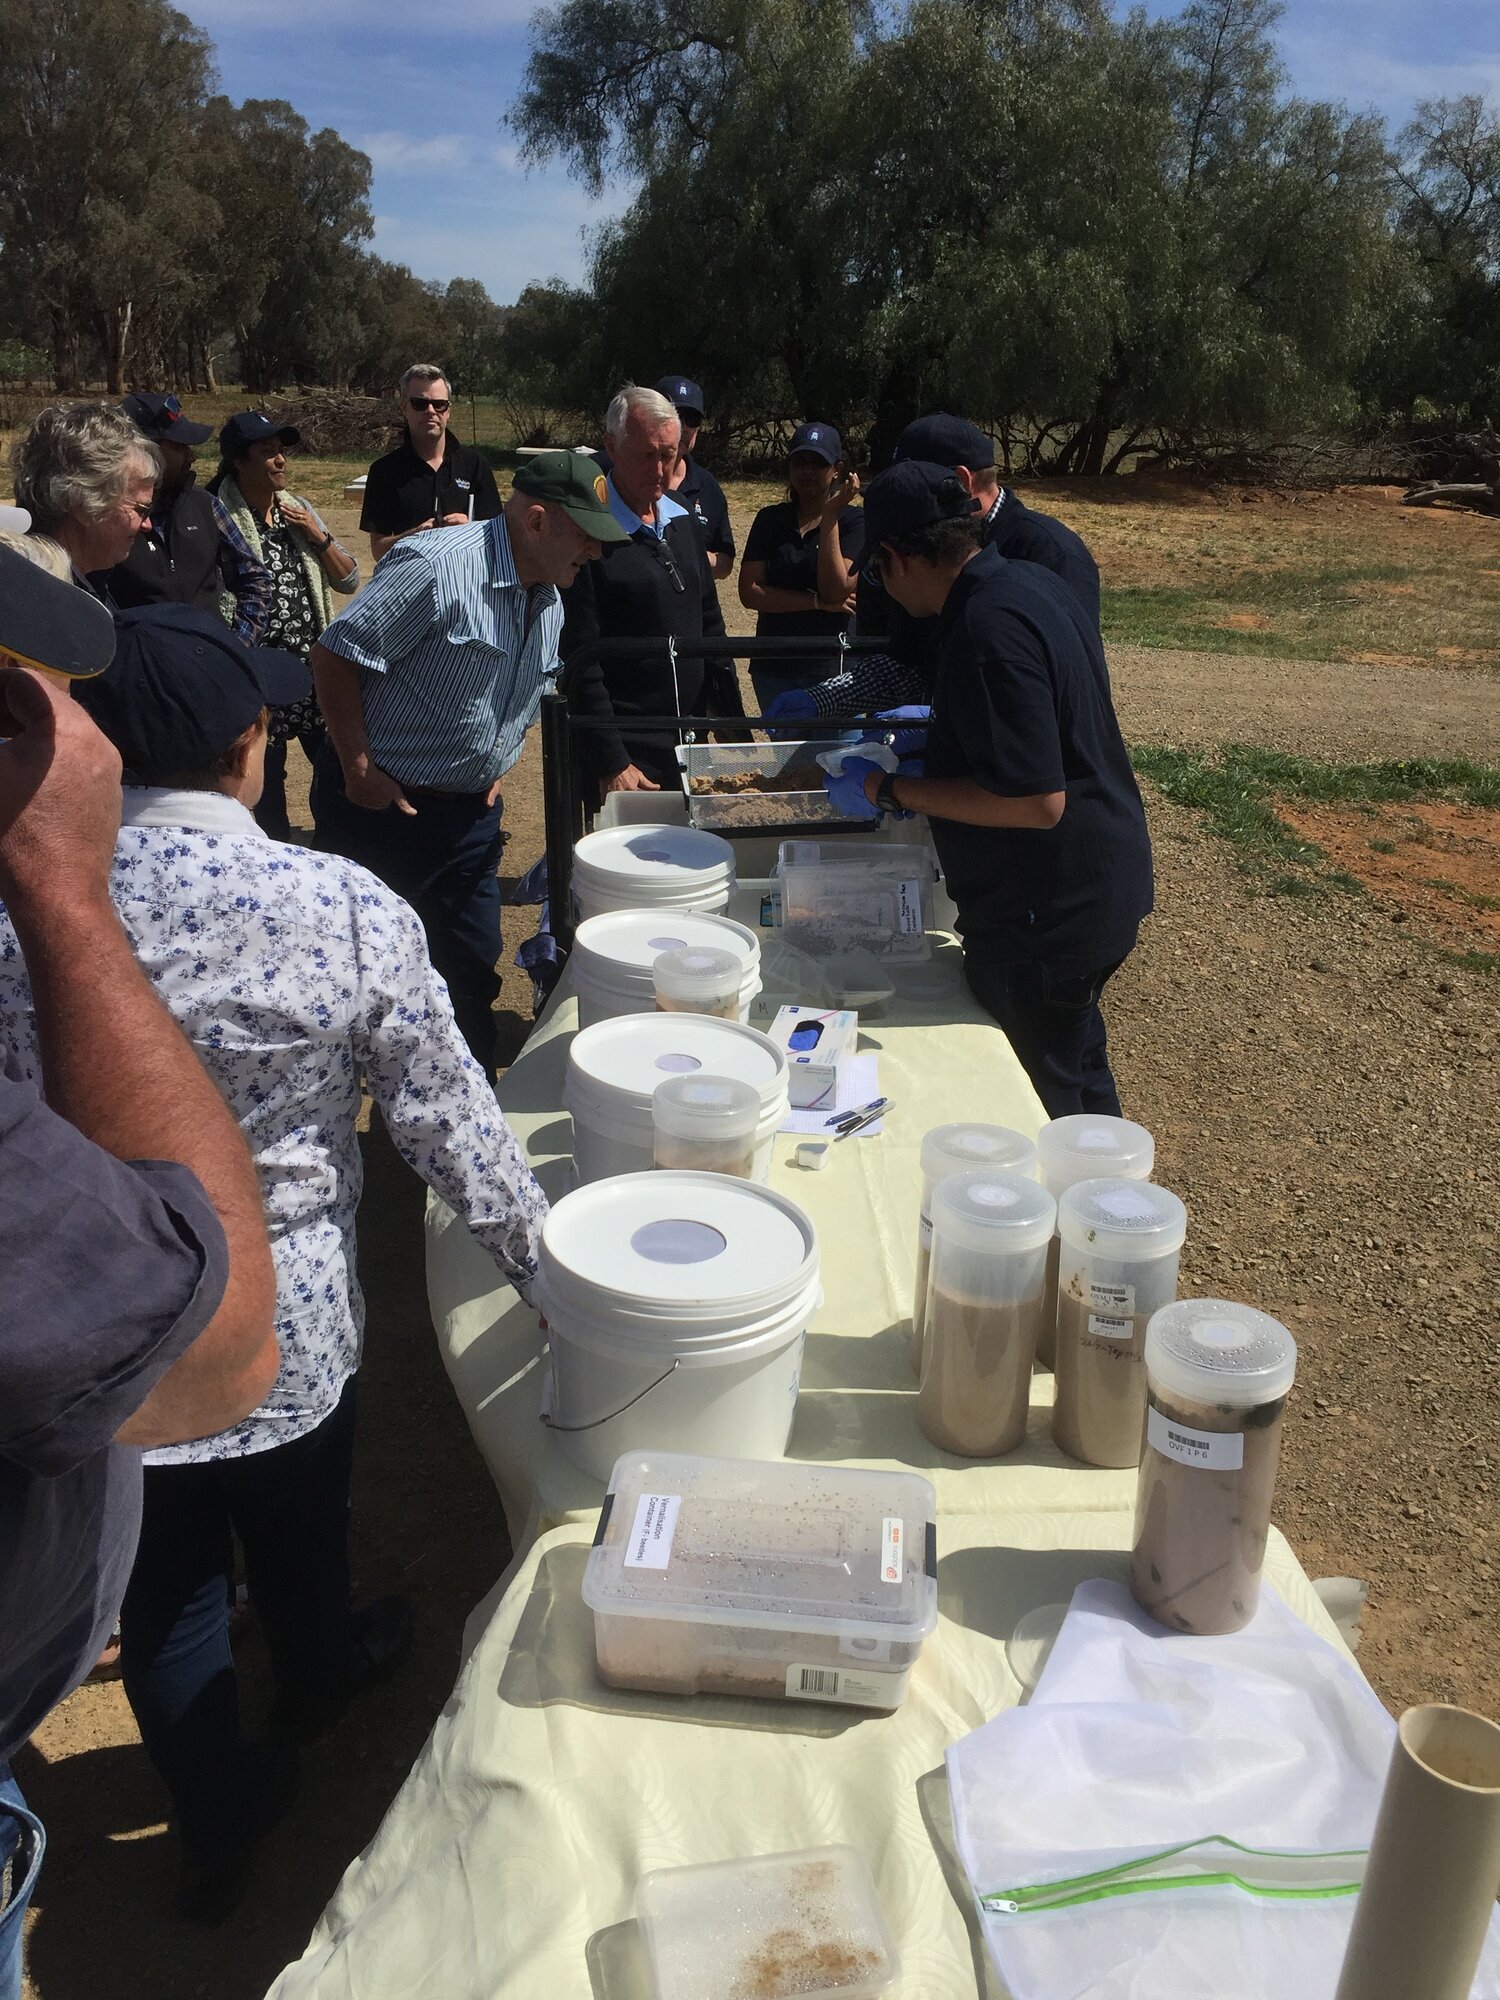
(910, 742)
(792, 705)
(846, 789)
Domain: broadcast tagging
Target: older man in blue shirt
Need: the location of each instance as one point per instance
(428, 684)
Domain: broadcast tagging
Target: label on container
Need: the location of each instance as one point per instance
(1116, 1299)
(651, 1532)
(839, 1684)
(892, 1548)
(924, 1232)
(909, 909)
(1219, 1451)
(1108, 1326)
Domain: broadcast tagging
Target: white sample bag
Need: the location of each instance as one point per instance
(1176, 1816)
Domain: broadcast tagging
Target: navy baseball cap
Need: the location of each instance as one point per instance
(822, 440)
(251, 427)
(908, 497)
(160, 418)
(944, 440)
(685, 394)
(181, 688)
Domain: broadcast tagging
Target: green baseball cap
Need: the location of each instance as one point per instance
(572, 480)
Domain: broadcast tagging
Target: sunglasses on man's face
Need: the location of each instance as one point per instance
(438, 403)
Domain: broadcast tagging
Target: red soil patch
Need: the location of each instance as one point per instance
(1436, 865)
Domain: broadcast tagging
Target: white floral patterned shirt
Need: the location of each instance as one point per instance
(293, 973)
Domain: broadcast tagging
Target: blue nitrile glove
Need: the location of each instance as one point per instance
(911, 741)
(792, 705)
(846, 790)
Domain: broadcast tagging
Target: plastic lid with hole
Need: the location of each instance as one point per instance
(1214, 1351)
(697, 972)
(1085, 1146)
(625, 1059)
(1127, 1221)
(951, 1149)
(620, 947)
(617, 857)
(993, 1212)
(705, 1107)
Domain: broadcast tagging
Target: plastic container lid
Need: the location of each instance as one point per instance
(950, 1149)
(619, 1063)
(1084, 1146)
(652, 857)
(1214, 1351)
(698, 972)
(1129, 1221)
(779, 1545)
(619, 948)
(705, 1107)
(807, 1923)
(994, 1212)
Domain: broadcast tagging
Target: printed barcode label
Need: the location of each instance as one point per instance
(924, 1232)
(909, 922)
(1119, 1299)
(892, 1549)
(858, 1690)
(651, 1532)
(1107, 1327)
(1218, 1451)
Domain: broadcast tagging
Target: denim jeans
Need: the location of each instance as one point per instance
(289, 1507)
(22, 1845)
(1052, 1021)
(445, 862)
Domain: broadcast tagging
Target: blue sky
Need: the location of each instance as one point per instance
(423, 92)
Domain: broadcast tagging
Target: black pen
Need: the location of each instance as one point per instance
(840, 1119)
(861, 1119)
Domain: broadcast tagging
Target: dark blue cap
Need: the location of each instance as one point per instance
(944, 440)
(822, 440)
(251, 427)
(160, 418)
(685, 394)
(181, 688)
(908, 497)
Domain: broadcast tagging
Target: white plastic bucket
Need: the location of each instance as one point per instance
(615, 1066)
(676, 1305)
(613, 954)
(651, 867)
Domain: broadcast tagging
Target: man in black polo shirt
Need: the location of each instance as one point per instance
(1033, 805)
(430, 480)
(693, 484)
(190, 552)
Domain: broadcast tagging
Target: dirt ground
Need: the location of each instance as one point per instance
(1322, 1086)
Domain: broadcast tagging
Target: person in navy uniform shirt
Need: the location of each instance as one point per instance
(692, 484)
(430, 480)
(1027, 784)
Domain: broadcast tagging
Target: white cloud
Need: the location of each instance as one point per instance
(401, 152)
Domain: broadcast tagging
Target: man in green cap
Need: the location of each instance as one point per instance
(428, 684)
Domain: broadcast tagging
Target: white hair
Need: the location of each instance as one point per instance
(633, 400)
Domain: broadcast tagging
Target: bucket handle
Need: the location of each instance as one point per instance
(552, 1423)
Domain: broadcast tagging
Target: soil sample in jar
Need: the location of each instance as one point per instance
(1218, 1376)
(990, 1231)
(1119, 1242)
(698, 979)
(953, 1149)
(705, 1124)
(1082, 1147)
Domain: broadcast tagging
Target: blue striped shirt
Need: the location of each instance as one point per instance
(451, 673)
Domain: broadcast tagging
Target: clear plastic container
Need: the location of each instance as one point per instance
(769, 1927)
(698, 980)
(706, 1125)
(951, 1149)
(738, 1576)
(1217, 1378)
(990, 1232)
(873, 896)
(1084, 1147)
(1120, 1242)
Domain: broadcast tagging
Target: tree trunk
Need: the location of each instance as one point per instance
(119, 336)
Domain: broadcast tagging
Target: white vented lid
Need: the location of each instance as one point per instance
(625, 1059)
(705, 1108)
(1214, 1351)
(1085, 1146)
(993, 1212)
(697, 973)
(618, 857)
(622, 946)
(1129, 1221)
(950, 1149)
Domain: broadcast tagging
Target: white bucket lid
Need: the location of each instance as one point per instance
(619, 948)
(654, 859)
(619, 1063)
(1129, 1221)
(950, 1149)
(1086, 1145)
(992, 1211)
(697, 972)
(705, 1108)
(1214, 1351)
(677, 1257)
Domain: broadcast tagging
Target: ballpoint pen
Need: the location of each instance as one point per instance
(860, 1119)
(839, 1119)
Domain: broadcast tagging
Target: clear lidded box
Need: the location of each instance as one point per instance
(807, 1582)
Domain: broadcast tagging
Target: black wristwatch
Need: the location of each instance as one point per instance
(885, 794)
(322, 548)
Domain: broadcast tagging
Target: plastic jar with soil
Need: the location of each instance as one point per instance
(1217, 1377)
(990, 1231)
(698, 979)
(705, 1125)
(955, 1149)
(1084, 1147)
(1120, 1242)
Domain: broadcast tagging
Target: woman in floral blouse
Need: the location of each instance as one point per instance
(307, 565)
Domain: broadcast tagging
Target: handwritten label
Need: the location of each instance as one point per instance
(1106, 1326)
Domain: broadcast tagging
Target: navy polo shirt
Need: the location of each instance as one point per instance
(703, 497)
(1021, 704)
(791, 560)
(402, 490)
